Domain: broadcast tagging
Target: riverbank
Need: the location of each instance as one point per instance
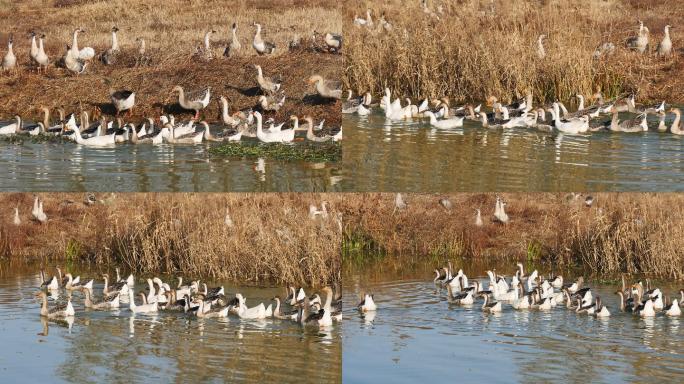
(270, 237)
(620, 233)
(169, 58)
(471, 50)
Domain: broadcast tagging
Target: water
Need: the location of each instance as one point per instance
(168, 347)
(417, 336)
(142, 168)
(413, 157)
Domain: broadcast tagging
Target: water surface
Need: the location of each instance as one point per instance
(66, 166)
(413, 157)
(167, 347)
(416, 336)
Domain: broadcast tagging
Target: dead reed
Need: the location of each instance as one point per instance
(620, 233)
(479, 48)
(272, 238)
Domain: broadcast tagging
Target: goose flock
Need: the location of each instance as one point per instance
(524, 114)
(536, 292)
(194, 299)
(248, 123)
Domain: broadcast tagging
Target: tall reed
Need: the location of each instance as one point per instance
(620, 233)
(272, 238)
(475, 49)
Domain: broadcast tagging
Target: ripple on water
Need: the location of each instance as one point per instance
(417, 335)
(117, 346)
(412, 156)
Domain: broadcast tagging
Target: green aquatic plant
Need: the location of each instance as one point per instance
(310, 152)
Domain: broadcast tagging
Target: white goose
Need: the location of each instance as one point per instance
(94, 141)
(142, 308)
(453, 122)
(11, 129)
(284, 136)
(86, 53)
(258, 312)
(572, 126)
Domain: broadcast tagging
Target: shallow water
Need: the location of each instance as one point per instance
(143, 168)
(412, 156)
(120, 346)
(417, 336)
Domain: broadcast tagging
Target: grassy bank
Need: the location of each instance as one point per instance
(620, 233)
(272, 238)
(479, 48)
(172, 31)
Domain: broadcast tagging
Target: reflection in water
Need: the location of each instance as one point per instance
(119, 346)
(412, 157)
(143, 168)
(417, 336)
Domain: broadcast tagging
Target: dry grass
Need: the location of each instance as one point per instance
(471, 52)
(621, 233)
(172, 30)
(272, 239)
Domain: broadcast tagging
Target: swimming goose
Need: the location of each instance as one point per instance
(232, 136)
(123, 100)
(220, 311)
(449, 123)
(279, 314)
(11, 129)
(309, 132)
(258, 312)
(118, 287)
(109, 56)
(59, 311)
(673, 309)
(142, 308)
(648, 310)
(283, 136)
(9, 62)
(588, 308)
(328, 89)
(572, 126)
(295, 296)
(367, 304)
(195, 104)
(262, 47)
(487, 306)
(95, 141)
(52, 284)
(638, 124)
(266, 84)
(188, 138)
(463, 298)
(351, 105)
(71, 283)
(674, 128)
(84, 54)
(110, 302)
(601, 310)
(665, 46)
(661, 122)
(234, 46)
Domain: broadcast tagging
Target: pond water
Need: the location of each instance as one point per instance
(167, 347)
(416, 336)
(59, 166)
(413, 157)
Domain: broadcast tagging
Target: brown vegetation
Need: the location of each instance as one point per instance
(620, 233)
(479, 48)
(172, 30)
(272, 238)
